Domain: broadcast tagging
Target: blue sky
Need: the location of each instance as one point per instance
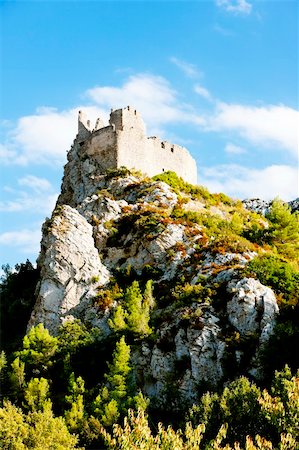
(219, 77)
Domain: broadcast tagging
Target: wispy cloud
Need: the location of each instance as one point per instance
(203, 92)
(190, 70)
(243, 182)
(36, 183)
(39, 197)
(241, 7)
(232, 149)
(26, 240)
(270, 125)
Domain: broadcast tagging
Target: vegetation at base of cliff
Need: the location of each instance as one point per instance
(79, 390)
(39, 412)
(17, 299)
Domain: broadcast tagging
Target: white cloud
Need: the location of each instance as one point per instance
(203, 92)
(42, 204)
(233, 149)
(235, 6)
(26, 240)
(190, 70)
(151, 95)
(44, 137)
(6, 155)
(269, 125)
(242, 182)
(39, 197)
(35, 183)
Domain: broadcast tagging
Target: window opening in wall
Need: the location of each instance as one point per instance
(171, 149)
(162, 170)
(162, 145)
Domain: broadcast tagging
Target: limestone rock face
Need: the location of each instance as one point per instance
(253, 307)
(109, 225)
(68, 262)
(188, 352)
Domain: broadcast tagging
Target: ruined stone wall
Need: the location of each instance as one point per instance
(102, 146)
(166, 156)
(124, 143)
(153, 156)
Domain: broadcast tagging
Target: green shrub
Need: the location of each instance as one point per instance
(196, 192)
(278, 274)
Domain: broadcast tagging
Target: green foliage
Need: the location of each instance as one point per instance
(282, 233)
(220, 235)
(185, 294)
(136, 434)
(113, 397)
(280, 275)
(37, 394)
(118, 321)
(39, 348)
(75, 416)
(238, 406)
(281, 409)
(3, 361)
(248, 411)
(13, 428)
(74, 335)
(196, 192)
(17, 376)
(38, 430)
(134, 313)
(143, 224)
(138, 310)
(16, 303)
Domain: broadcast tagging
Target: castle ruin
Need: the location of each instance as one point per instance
(124, 143)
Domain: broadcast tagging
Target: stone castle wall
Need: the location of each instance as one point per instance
(124, 143)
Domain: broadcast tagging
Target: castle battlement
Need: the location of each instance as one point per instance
(124, 143)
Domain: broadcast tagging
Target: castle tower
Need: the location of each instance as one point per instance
(126, 119)
(84, 128)
(124, 143)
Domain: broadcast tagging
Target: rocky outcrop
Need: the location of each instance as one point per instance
(263, 206)
(294, 205)
(70, 265)
(120, 222)
(187, 354)
(192, 349)
(252, 309)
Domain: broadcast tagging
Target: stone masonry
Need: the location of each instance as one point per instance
(124, 143)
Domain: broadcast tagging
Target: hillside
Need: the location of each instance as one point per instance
(154, 292)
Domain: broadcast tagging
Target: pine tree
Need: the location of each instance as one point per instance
(113, 397)
(39, 348)
(75, 415)
(118, 321)
(37, 393)
(17, 376)
(283, 232)
(134, 313)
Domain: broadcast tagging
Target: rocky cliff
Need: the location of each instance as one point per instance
(211, 318)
